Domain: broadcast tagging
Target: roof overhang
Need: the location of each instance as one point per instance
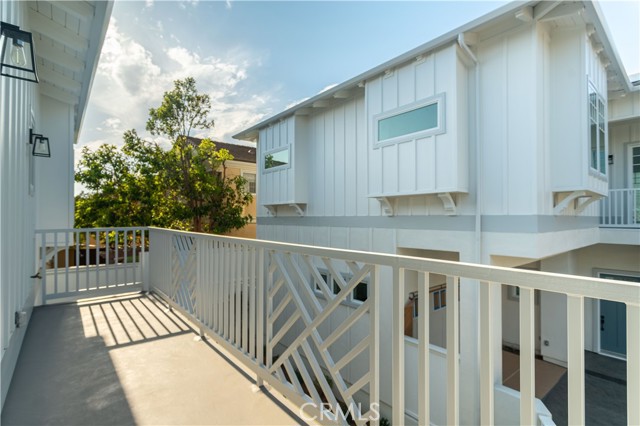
(537, 10)
(68, 38)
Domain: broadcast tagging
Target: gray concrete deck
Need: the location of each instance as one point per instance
(125, 360)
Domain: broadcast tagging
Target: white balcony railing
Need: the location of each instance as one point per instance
(621, 209)
(75, 263)
(269, 304)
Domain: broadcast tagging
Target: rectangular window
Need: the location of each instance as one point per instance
(359, 294)
(597, 132)
(276, 159)
(416, 120)
(251, 182)
(439, 299)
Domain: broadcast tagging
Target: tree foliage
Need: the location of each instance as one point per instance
(184, 187)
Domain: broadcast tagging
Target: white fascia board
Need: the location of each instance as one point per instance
(450, 37)
(96, 40)
(597, 19)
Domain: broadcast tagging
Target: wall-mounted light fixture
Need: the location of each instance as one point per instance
(610, 159)
(40, 145)
(17, 59)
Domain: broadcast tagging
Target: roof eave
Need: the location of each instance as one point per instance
(449, 37)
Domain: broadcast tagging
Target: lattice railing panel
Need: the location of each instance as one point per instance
(304, 296)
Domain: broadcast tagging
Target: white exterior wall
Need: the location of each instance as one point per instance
(571, 53)
(624, 131)
(431, 164)
(584, 262)
(533, 143)
(17, 207)
(286, 184)
(54, 183)
(510, 124)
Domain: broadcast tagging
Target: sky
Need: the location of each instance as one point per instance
(256, 58)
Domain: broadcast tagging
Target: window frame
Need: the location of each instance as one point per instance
(255, 182)
(276, 168)
(438, 100)
(350, 300)
(602, 167)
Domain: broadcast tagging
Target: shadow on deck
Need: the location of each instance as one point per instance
(127, 360)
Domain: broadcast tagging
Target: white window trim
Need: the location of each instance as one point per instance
(595, 172)
(438, 99)
(256, 179)
(277, 168)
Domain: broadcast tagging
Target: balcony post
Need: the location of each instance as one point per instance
(398, 346)
(575, 358)
(633, 364)
(527, 357)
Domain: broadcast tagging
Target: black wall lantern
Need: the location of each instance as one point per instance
(40, 145)
(17, 58)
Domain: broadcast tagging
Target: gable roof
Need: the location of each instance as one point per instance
(539, 10)
(243, 153)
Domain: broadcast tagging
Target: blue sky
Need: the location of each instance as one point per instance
(256, 58)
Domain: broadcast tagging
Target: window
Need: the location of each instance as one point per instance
(251, 182)
(414, 120)
(359, 294)
(439, 299)
(276, 159)
(597, 132)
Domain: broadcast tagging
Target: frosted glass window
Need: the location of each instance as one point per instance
(276, 159)
(416, 120)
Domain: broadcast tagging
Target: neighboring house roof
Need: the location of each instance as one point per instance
(68, 38)
(538, 10)
(246, 154)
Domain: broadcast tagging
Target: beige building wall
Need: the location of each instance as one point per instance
(240, 168)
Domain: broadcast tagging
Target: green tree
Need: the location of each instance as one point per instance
(176, 188)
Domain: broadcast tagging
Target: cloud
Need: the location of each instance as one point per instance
(130, 80)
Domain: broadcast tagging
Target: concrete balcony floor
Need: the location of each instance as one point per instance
(126, 360)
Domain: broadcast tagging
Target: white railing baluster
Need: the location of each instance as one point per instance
(107, 250)
(55, 263)
(487, 381)
(398, 345)
(527, 357)
(633, 364)
(97, 265)
(260, 312)
(86, 258)
(374, 335)
(575, 358)
(252, 304)
(245, 298)
(66, 262)
(424, 309)
(77, 239)
(238, 295)
(618, 209)
(43, 266)
(453, 344)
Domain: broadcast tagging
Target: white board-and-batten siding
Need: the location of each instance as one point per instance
(18, 113)
(426, 164)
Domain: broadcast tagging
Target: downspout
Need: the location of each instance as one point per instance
(478, 213)
(476, 404)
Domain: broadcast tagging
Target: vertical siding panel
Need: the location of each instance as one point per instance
(390, 169)
(320, 180)
(362, 157)
(329, 167)
(374, 106)
(406, 85)
(406, 166)
(350, 159)
(390, 91)
(339, 161)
